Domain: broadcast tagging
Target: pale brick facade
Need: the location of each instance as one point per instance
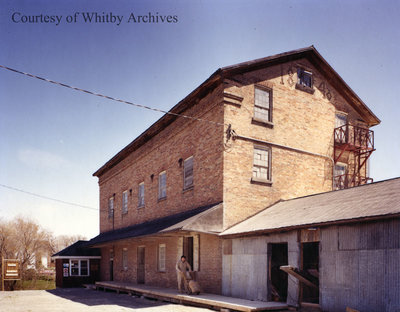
(298, 138)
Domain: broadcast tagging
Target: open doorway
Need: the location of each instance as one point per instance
(277, 279)
(188, 250)
(141, 252)
(310, 267)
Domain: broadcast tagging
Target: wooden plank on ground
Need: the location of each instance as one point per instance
(297, 274)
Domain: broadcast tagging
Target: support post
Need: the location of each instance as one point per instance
(2, 273)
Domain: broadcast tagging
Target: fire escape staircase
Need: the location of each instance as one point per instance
(356, 144)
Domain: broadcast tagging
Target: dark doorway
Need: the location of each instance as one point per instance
(277, 279)
(310, 267)
(141, 251)
(188, 249)
(111, 265)
(111, 269)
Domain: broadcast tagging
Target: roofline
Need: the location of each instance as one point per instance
(75, 257)
(297, 198)
(307, 225)
(343, 190)
(226, 72)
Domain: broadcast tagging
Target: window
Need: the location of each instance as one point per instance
(304, 78)
(125, 258)
(188, 173)
(125, 202)
(79, 267)
(161, 257)
(162, 185)
(84, 268)
(111, 207)
(262, 164)
(262, 104)
(340, 180)
(340, 120)
(141, 195)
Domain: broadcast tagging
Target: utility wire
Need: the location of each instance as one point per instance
(46, 197)
(111, 98)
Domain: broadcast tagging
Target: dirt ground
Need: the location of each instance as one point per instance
(81, 299)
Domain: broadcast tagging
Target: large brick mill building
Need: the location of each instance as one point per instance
(259, 132)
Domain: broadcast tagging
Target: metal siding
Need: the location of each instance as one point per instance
(245, 272)
(364, 273)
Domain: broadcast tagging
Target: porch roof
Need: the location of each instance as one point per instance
(205, 219)
(367, 202)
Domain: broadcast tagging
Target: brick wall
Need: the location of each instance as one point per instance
(182, 139)
(210, 262)
(300, 120)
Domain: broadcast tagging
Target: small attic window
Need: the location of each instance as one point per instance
(304, 80)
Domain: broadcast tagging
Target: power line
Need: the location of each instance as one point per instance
(110, 97)
(46, 197)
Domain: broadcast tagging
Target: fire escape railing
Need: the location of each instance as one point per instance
(359, 143)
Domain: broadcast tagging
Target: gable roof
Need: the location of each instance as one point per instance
(218, 77)
(367, 202)
(78, 249)
(206, 219)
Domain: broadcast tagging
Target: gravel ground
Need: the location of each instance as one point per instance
(81, 299)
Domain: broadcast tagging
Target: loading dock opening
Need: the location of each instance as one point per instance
(310, 268)
(277, 279)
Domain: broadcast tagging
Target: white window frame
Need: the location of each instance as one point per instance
(335, 174)
(125, 259)
(162, 255)
(260, 164)
(259, 108)
(141, 202)
(188, 173)
(111, 207)
(79, 267)
(162, 185)
(125, 202)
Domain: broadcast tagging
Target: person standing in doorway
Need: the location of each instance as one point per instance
(182, 266)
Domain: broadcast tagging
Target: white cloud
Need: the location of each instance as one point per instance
(42, 159)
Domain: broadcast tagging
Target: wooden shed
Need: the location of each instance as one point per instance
(77, 265)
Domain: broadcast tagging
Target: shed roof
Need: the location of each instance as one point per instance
(371, 201)
(78, 249)
(206, 219)
(218, 77)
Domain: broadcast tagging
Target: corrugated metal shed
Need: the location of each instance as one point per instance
(370, 201)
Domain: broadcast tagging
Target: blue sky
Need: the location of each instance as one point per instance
(52, 138)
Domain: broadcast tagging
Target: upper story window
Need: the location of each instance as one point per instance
(304, 77)
(162, 185)
(261, 164)
(340, 176)
(141, 195)
(188, 173)
(263, 104)
(125, 202)
(340, 119)
(304, 80)
(111, 207)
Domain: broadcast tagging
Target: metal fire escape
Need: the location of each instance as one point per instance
(353, 146)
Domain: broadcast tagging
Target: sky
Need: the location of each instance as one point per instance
(52, 139)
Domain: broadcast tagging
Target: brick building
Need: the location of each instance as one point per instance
(259, 132)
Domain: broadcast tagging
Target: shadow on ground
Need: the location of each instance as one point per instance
(94, 298)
